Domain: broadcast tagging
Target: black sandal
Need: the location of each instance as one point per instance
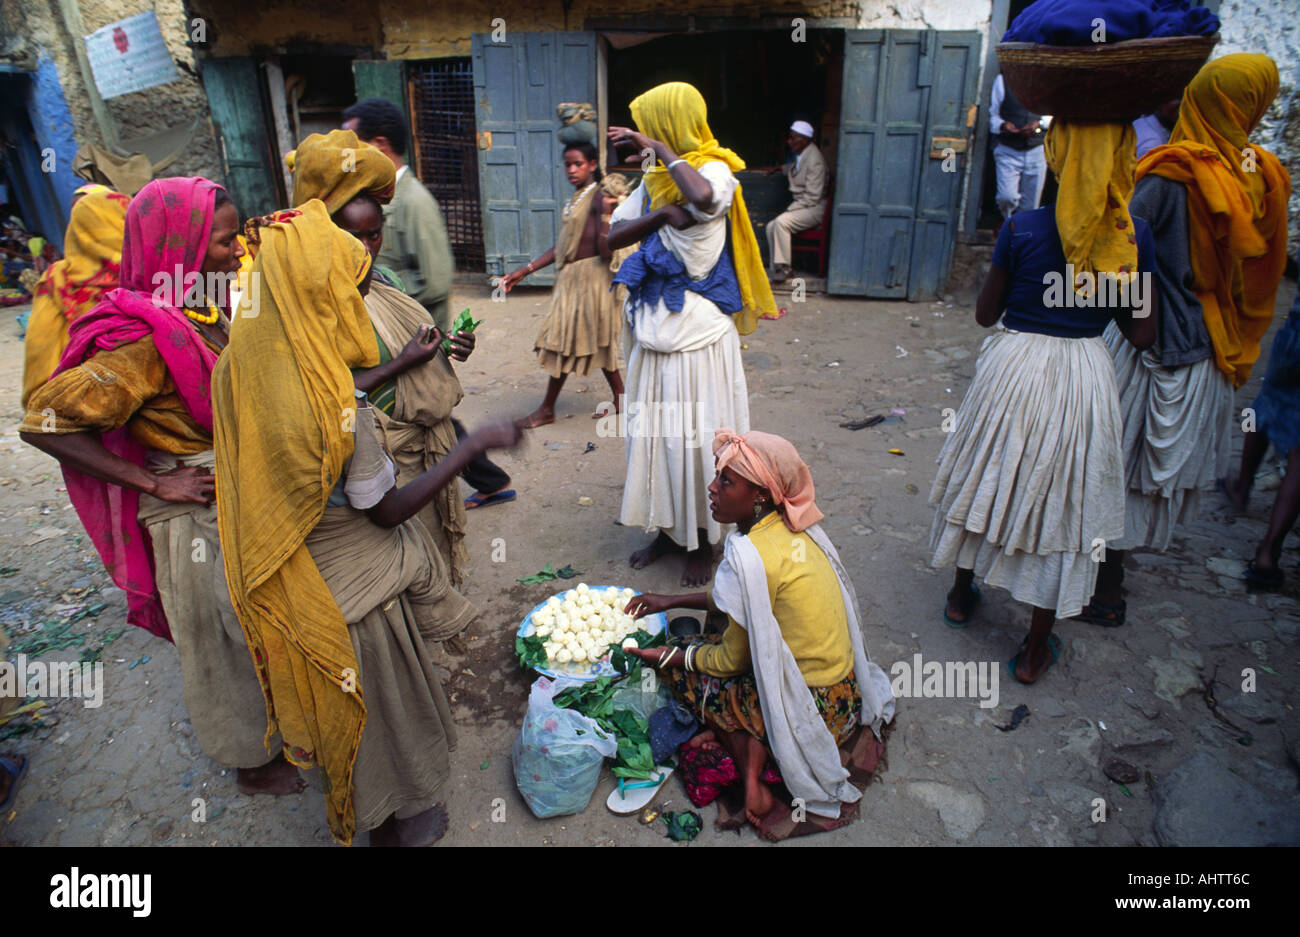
(1267, 581)
(1107, 616)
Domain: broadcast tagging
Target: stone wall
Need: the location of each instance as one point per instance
(139, 114)
(1272, 27)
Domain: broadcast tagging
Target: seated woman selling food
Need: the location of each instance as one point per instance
(790, 674)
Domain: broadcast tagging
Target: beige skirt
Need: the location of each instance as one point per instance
(222, 693)
(581, 329)
(393, 592)
(1177, 439)
(1030, 482)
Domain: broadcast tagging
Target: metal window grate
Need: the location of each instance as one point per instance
(442, 136)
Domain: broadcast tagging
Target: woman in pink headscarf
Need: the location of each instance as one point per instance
(790, 676)
(128, 414)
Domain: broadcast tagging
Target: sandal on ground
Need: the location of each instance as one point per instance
(970, 609)
(1266, 580)
(1099, 613)
(780, 313)
(1053, 642)
(631, 795)
(484, 501)
(15, 766)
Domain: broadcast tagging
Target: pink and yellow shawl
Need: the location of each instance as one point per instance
(167, 229)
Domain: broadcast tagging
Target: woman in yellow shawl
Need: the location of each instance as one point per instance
(1217, 206)
(413, 388)
(694, 287)
(74, 285)
(1030, 478)
(333, 581)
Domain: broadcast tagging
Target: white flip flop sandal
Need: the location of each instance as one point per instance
(627, 799)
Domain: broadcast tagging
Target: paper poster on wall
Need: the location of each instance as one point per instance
(130, 55)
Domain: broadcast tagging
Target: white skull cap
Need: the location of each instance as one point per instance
(803, 128)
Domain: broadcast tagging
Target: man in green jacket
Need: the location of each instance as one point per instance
(416, 246)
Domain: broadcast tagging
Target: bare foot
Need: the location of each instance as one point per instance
(758, 801)
(961, 603)
(539, 417)
(705, 740)
(423, 829)
(606, 410)
(274, 777)
(1033, 662)
(661, 545)
(699, 566)
(1234, 492)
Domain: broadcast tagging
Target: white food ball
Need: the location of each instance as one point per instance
(627, 595)
(543, 631)
(563, 656)
(583, 587)
(554, 601)
(580, 656)
(629, 643)
(550, 647)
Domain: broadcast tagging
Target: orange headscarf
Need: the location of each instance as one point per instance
(1236, 201)
(73, 286)
(770, 462)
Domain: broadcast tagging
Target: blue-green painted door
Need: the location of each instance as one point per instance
(895, 212)
(517, 84)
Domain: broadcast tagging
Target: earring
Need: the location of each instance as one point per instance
(759, 508)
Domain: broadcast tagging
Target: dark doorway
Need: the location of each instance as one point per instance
(443, 149)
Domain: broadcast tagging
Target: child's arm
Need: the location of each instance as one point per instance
(514, 276)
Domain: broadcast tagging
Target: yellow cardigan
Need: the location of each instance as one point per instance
(806, 602)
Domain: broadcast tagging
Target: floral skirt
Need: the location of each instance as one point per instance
(731, 704)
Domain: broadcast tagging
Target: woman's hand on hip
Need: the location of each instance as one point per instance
(186, 484)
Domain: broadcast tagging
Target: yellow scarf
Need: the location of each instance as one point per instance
(675, 114)
(1236, 203)
(285, 406)
(1093, 163)
(336, 167)
(74, 285)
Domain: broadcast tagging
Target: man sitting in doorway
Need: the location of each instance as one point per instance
(807, 176)
(416, 248)
(1017, 151)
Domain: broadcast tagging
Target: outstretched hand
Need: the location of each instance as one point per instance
(648, 603)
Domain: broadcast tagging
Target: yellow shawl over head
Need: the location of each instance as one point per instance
(1236, 203)
(675, 113)
(74, 285)
(336, 167)
(1093, 163)
(285, 408)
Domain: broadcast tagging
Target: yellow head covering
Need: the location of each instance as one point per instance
(73, 286)
(1093, 163)
(336, 167)
(1236, 203)
(285, 406)
(675, 113)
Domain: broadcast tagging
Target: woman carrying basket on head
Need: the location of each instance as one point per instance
(1030, 479)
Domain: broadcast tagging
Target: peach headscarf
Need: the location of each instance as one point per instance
(771, 462)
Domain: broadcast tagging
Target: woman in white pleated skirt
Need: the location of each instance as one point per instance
(1030, 484)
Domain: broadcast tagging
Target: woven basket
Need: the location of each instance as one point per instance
(1118, 81)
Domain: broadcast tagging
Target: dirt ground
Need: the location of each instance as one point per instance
(130, 772)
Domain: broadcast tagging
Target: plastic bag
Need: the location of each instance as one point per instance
(558, 754)
(642, 697)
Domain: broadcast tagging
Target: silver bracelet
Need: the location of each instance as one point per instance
(674, 163)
